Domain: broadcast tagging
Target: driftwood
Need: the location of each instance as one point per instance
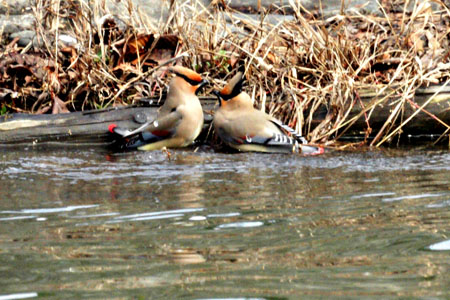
(91, 127)
(422, 123)
(426, 122)
(77, 128)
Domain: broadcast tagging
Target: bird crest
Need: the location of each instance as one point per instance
(192, 77)
(233, 87)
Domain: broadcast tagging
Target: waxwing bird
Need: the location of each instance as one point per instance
(179, 120)
(240, 126)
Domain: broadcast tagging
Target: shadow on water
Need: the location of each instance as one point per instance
(88, 223)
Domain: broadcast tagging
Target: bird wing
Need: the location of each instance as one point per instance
(165, 125)
(304, 148)
(255, 132)
(162, 127)
(276, 143)
(290, 130)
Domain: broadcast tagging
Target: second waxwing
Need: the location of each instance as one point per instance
(179, 120)
(242, 127)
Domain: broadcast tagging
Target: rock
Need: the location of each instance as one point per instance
(251, 6)
(333, 7)
(15, 7)
(16, 15)
(15, 23)
(25, 37)
(330, 7)
(7, 25)
(156, 12)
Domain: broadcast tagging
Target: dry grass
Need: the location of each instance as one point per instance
(295, 66)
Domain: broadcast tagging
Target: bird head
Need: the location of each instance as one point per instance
(232, 89)
(192, 78)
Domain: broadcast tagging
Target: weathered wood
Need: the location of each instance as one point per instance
(422, 123)
(88, 127)
(77, 127)
(91, 127)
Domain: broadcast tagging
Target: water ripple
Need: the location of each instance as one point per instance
(17, 218)
(441, 246)
(273, 226)
(48, 210)
(418, 196)
(18, 296)
(168, 214)
(156, 166)
(240, 225)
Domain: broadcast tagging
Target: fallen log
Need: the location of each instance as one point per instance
(425, 116)
(88, 127)
(77, 128)
(91, 127)
(424, 122)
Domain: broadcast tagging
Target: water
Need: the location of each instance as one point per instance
(91, 224)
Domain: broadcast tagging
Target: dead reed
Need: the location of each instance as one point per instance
(298, 66)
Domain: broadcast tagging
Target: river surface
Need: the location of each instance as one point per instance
(90, 224)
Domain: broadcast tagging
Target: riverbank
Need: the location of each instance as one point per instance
(309, 67)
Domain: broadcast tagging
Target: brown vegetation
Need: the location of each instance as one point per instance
(88, 59)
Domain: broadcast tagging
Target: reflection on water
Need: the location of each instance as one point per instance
(88, 223)
(442, 246)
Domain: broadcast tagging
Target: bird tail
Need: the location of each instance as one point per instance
(301, 139)
(131, 140)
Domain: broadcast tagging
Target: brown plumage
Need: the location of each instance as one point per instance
(179, 120)
(242, 127)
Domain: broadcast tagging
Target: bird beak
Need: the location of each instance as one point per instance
(217, 93)
(201, 85)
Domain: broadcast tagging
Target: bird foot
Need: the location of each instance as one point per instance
(169, 155)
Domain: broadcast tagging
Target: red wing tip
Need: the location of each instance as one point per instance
(320, 150)
(111, 127)
(317, 151)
